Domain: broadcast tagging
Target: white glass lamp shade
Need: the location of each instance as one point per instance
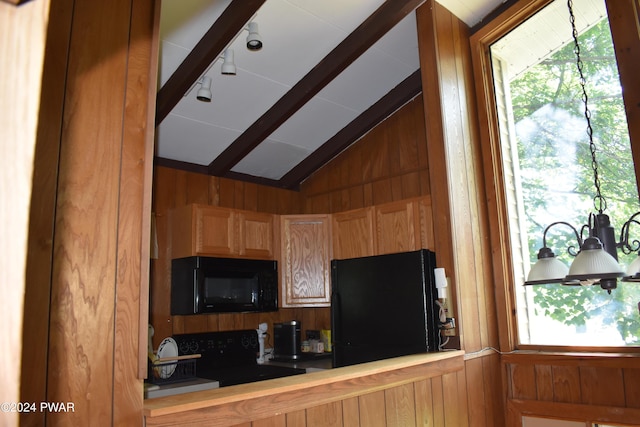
(633, 271)
(548, 269)
(593, 262)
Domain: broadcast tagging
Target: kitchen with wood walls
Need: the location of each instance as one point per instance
(489, 389)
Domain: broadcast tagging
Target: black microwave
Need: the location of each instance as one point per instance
(202, 285)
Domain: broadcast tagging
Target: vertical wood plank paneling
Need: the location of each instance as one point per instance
(493, 390)
(462, 400)
(385, 165)
(400, 406)
(81, 362)
(632, 387)
(160, 292)
(566, 384)
(327, 415)
(297, 418)
(544, 382)
(454, 407)
(437, 393)
(477, 397)
(424, 403)
(132, 280)
(275, 421)
(602, 386)
(372, 409)
(623, 18)
(350, 412)
(523, 381)
(35, 329)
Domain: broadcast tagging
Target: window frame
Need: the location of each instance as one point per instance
(623, 19)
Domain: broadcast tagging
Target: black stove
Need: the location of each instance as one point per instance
(229, 357)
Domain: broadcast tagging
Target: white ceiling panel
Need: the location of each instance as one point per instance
(183, 23)
(237, 101)
(313, 124)
(345, 15)
(187, 140)
(271, 159)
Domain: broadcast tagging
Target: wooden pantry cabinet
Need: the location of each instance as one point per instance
(305, 269)
(214, 231)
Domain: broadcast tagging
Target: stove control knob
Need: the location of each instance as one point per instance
(246, 341)
(184, 347)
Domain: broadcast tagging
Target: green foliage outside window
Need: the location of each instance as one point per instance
(557, 177)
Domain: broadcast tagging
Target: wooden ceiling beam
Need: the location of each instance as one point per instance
(355, 44)
(208, 49)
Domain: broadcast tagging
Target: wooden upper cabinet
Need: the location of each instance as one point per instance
(353, 234)
(256, 232)
(215, 231)
(305, 260)
(397, 227)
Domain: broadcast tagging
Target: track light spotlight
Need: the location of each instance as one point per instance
(228, 66)
(254, 41)
(204, 93)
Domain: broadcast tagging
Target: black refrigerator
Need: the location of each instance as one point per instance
(383, 306)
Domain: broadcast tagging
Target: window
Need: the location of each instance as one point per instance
(547, 168)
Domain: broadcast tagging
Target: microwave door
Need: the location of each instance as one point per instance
(198, 284)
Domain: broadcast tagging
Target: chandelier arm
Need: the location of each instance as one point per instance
(599, 201)
(571, 249)
(625, 244)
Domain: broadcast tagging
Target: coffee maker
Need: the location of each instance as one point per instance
(286, 340)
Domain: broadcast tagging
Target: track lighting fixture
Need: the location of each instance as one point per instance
(254, 41)
(204, 93)
(228, 66)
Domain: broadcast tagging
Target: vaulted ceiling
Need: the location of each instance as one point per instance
(327, 73)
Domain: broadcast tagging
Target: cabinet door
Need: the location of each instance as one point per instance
(397, 227)
(214, 231)
(305, 260)
(353, 234)
(256, 235)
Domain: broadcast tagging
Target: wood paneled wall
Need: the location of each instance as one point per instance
(387, 164)
(459, 212)
(589, 388)
(86, 287)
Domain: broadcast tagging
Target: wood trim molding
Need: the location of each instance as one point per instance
(609, 360)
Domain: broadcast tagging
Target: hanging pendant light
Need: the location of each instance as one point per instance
(597, 260)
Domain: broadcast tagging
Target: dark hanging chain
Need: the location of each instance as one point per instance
(599, 201)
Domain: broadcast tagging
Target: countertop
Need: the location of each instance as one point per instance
(311, 364)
